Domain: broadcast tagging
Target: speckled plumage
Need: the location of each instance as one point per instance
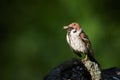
(78, 40)
(75, 41)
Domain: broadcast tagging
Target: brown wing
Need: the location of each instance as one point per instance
(87, 42)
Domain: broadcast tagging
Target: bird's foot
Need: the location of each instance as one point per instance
(85, 59)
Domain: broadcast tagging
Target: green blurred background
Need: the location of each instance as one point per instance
(32, 40)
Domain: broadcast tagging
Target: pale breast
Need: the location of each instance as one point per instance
(76, 43)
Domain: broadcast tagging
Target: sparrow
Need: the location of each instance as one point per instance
(79, 41)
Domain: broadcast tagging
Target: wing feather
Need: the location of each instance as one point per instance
(87, 42)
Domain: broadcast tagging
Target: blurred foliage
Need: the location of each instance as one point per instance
(32, 40)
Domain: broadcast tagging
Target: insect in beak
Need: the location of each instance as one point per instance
(65, 27)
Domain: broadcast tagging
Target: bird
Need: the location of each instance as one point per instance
(79, 41)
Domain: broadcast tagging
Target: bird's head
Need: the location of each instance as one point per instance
(73, 27)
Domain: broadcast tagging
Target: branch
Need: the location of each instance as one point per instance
(75, 69)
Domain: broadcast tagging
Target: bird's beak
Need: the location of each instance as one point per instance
(65, 27)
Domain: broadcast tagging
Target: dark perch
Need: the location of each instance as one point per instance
(74, 69)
